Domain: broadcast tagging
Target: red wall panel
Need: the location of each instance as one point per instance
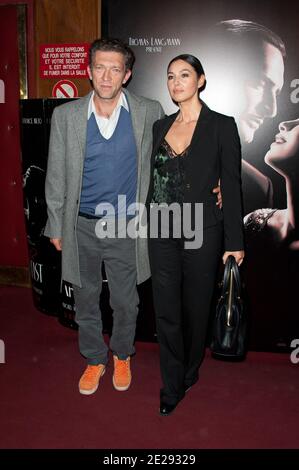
(13, 244)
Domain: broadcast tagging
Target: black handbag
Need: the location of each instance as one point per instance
(230, 325)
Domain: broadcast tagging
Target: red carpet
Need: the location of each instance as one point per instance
(253, 404)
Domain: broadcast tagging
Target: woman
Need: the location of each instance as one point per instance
(273, 252)
(192, 149)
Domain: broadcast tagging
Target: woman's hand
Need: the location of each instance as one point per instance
(57, 242)
(217, 191)
(238, 255)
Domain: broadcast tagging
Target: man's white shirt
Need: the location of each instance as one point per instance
(107, 125)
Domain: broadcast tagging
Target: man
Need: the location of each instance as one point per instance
(100, 148)
(250, 71)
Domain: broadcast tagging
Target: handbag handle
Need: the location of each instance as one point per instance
(231, 269)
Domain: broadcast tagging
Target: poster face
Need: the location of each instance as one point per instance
(249, 52)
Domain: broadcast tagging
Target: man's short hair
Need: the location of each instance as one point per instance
(112, 45)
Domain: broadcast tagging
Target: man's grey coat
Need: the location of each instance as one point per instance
(65, 171)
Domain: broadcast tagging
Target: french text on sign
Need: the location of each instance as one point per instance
(64, 89)
(63, 61)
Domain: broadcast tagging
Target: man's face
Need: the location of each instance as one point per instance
(108, 73)
(261, 92)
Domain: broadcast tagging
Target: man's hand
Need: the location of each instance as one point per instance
(238, 255)
(219, 195)
(57, 242)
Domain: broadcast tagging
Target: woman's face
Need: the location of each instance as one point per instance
(286, 144)
(183, 81)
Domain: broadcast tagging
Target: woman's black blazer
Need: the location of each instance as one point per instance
(214, 153)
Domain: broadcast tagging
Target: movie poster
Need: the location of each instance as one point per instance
(249, 51)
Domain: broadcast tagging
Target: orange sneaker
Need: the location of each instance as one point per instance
(89, 381)
(122, 374)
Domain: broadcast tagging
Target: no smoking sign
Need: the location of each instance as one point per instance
(64, 89)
